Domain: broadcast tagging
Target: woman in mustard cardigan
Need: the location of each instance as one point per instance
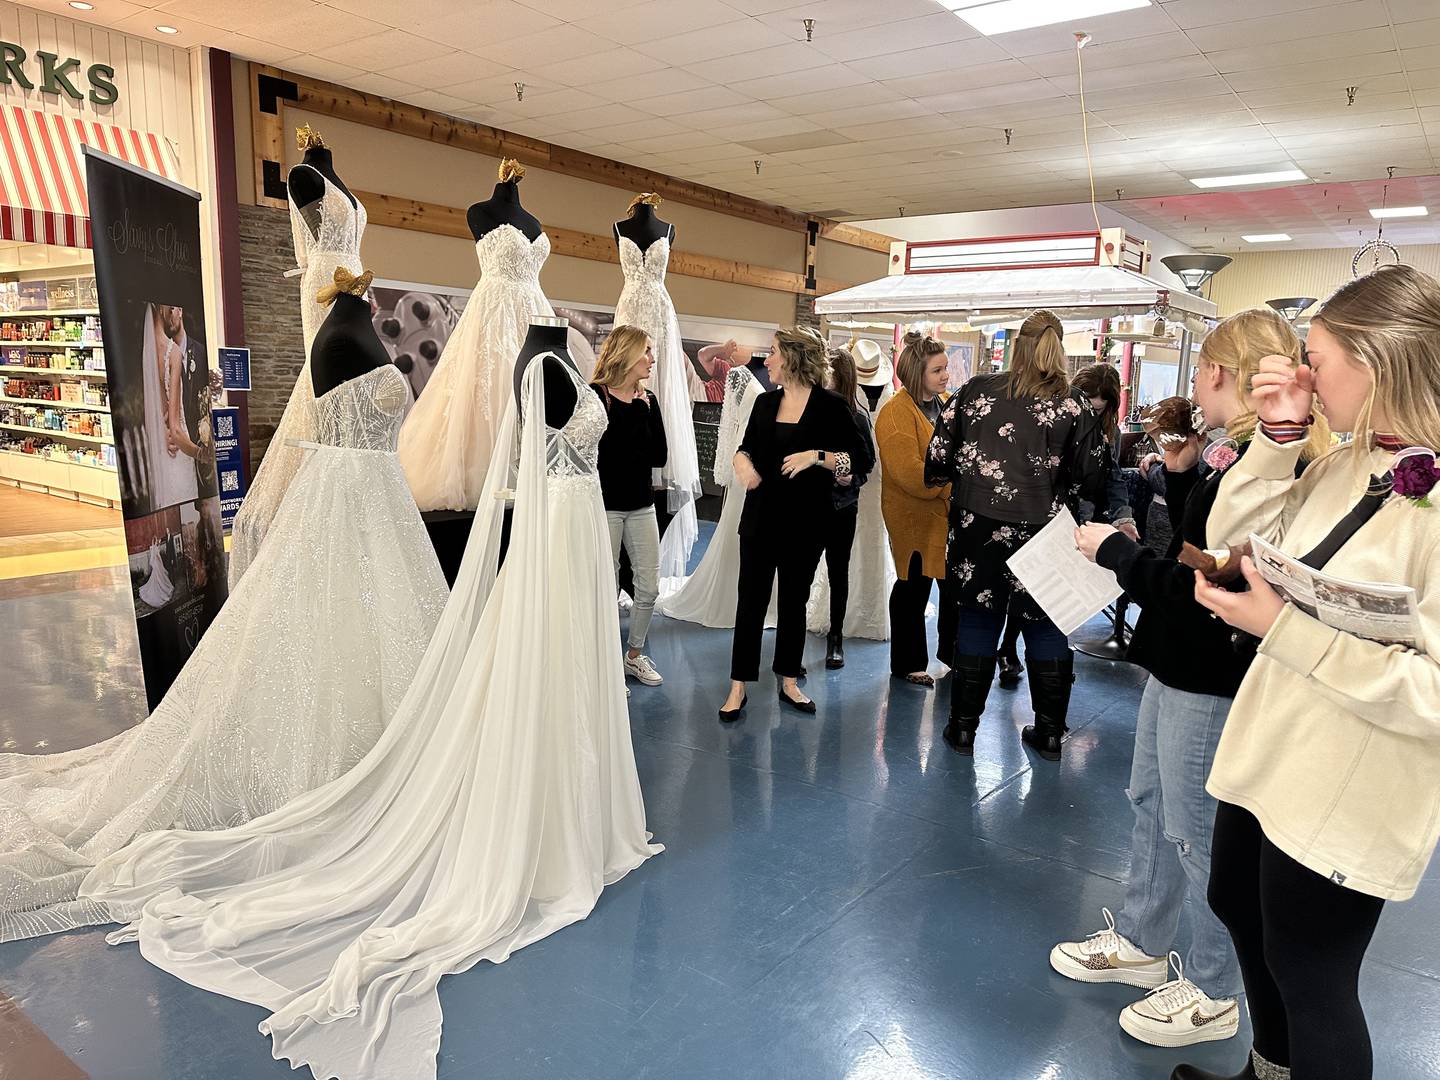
(915, 515)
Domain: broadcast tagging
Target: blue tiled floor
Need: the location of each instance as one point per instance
(841, 896)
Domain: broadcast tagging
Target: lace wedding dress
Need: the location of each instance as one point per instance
(645, 302)
(708, 595)
(289, 687)
(335, 242)
(499, 802)
(446, 444)
(872, 566)
(158, 588)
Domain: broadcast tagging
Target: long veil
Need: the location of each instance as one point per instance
(341, 911)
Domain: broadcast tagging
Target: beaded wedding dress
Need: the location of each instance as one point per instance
(446, 443)
(289, 687)
(645, 303)
(708, 595)
(499, 802)
(872, 566)
(335, 242)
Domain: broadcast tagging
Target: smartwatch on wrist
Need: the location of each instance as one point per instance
(819, 457)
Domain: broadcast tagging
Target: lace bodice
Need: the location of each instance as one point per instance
(741, 390)
(575, 448)
(364, 413)
(644, 267)
(506, 252)
(341, 224)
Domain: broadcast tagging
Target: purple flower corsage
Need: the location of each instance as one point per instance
(1415, 474)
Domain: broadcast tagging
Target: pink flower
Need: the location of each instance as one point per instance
(1221, 455)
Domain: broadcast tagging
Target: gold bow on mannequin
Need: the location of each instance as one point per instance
(307, 137)
(510, 169)
(345, 282)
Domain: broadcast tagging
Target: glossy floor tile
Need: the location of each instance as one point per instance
(841, 897)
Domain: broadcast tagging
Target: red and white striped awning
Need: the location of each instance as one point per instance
(42, 171)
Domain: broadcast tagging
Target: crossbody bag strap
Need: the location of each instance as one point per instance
(1376, 493)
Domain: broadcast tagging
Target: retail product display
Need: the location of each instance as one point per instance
(500, 801)
(446, 444)
(326, 223)
(644, 241)
(289, 687)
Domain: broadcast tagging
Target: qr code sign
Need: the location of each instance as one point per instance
(229, 480)
(226, 427)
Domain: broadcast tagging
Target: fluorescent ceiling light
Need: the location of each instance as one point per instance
(80, 5)
(1003, 16)
(1400, 211)
(1281, 176)
(167, 29)
(1266, 238)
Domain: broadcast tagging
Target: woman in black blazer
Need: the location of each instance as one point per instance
(800, 440)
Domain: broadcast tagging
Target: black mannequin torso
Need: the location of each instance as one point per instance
(306, 187)
(757, 368)
(550, 335)
(644, 227)
(872, 393)
(503, 208)
(345, 346)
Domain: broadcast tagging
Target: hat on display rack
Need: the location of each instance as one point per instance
(871, 366)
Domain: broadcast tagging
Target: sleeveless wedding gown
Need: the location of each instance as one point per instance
(499, 802)
(158, 588)
(708, 595)
(336, 243)
(289, 687)
(446, 443)
(872, 566)
(172, 479)
(645, 303)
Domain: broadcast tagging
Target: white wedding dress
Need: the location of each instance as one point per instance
(872, 566)
(336, 243)
(708, 595)
(645, 303)
(500, 801)
(173, 479)
(447, 441)
(158, 588)
(289, 687)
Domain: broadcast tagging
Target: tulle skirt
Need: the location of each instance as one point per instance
(291, 685)
(708, 595)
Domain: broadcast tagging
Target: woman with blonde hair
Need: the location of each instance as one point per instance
(788, 507)
(1195, 672)
(633, 445)
(915, 513)
(1328, 773)
(1016, 446)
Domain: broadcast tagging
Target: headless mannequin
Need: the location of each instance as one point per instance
(306, 188)
(757, 368)
(872, 393)
(644, 227)
(549, 335)
(503, 208)
(345, 346)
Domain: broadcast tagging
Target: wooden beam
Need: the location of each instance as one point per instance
(329, 99)
(267, 134)
(855, 236)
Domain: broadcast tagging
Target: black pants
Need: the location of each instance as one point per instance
(908, 648)
(1300, 939)
(839, 539)
(794, 559)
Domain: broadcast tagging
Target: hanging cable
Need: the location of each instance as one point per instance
(1081, 40)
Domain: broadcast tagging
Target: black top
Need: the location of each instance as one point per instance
(1175, 639)
(345, 346)
(847, 495)
(502, 208)
(632, 445)
(1018, 459)
(804, 501)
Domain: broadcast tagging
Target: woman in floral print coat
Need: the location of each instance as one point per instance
(1016, 447)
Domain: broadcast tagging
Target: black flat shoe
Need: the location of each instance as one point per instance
(729, 716)
(807, 707)
(961, 740)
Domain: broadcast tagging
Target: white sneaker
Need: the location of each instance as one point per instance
(1108, 957)
(1180, 1014)
(624, 601)
(640, 667)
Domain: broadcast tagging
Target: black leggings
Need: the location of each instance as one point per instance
(839, 539)
(1300, 938)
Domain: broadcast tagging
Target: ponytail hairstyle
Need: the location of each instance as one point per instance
(1389, 321)
(1037, 366)
(621, 351)
(1102, 381)
(915, 353)
(1238, 344)
(843, 379)
(648, 198)
(803, 353)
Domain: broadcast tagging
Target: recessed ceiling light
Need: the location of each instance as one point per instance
(167, 29)
(1400, 211)
(1003, 16)
(80, 5)
(1280, 176)
(1266, 238)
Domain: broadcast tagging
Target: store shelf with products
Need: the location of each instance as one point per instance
(48, 313)
(73, 406)
(56, 433)
(79, 373)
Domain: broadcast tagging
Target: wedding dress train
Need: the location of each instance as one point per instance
(335, 242)
(289, 687)
(499, 802)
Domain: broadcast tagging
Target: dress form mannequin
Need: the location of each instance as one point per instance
(304, 186)
(643, 226)
(757, 368)
(549, 335)
(503, 207)
(346, 345)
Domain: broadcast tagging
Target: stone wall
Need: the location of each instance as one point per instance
(272, 319)
(805, 312)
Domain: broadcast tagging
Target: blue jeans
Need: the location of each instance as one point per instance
(980, 630)
(1175, 739)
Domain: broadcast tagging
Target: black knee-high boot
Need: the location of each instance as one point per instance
(970, 680)
(1050, 682)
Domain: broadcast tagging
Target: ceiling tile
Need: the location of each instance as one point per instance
(816, 81)
(1246, 33)
(604, 66)
(641, 23)
(864, 93)
(1120, 26)
(689, 101)
(452, 68)
(764, 63)
(898, 36)
(835, 17)
(554, 43)
(714, 43)
(652, 84)
(385, 51)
